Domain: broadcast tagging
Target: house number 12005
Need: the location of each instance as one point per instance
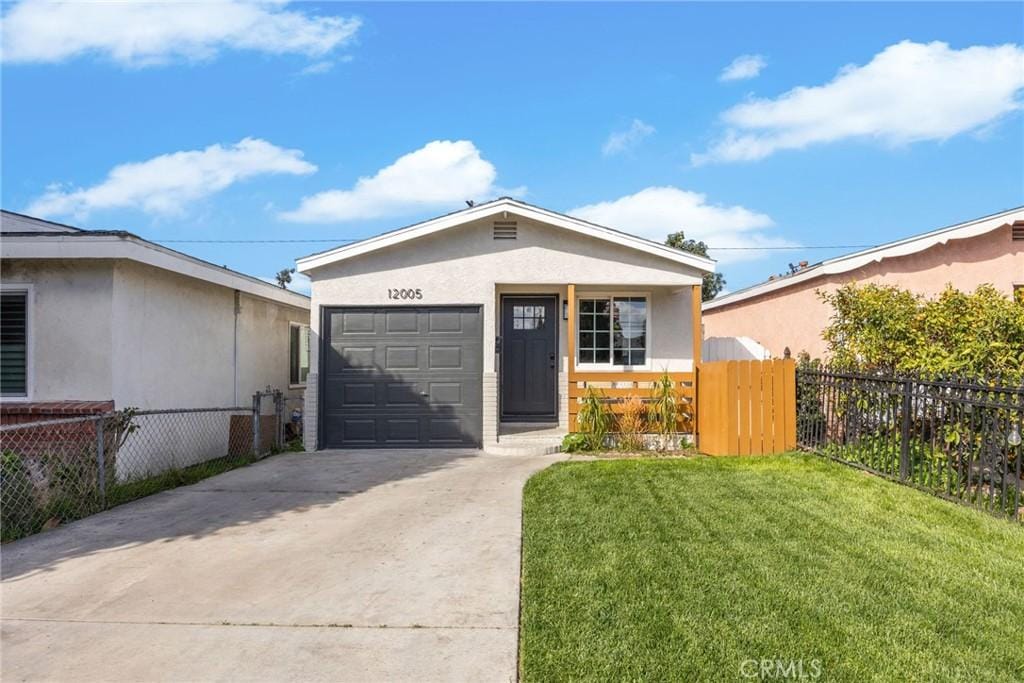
(405, 293)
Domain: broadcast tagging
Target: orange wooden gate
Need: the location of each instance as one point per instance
(746, 407)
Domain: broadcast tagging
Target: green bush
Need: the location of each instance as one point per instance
(891, 330)
(574, 443)
(594, 419)
(19, 513)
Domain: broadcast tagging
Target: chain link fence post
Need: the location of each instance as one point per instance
(101, 464)
(279, 413)
(256, 425)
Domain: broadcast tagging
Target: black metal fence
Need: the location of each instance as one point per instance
(56, 471)
(958, 438)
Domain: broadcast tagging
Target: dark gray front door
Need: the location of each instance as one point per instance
(401, 376)
(529, 355)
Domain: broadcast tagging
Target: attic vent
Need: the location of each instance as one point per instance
(1017, 231)
(505, 230)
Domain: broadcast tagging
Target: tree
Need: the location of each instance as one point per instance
(713, 282)
(892, 330)
(284, 277)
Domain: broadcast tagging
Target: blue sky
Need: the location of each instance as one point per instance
(258, 121)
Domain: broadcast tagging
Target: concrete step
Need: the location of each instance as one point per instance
(523, 448)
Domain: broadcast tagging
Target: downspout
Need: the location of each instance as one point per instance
(234, 350)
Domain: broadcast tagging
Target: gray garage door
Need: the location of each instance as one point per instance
(401, 376)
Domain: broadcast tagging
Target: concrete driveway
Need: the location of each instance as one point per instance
(356, 565)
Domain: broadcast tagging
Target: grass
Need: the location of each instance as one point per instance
(75, 493)
(686, 569)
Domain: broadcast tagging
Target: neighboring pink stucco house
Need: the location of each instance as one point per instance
(786, 312)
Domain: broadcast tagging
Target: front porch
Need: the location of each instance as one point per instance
(553, 342)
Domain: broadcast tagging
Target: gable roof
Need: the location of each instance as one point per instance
(494, 207)
(858, 259)
(28, 237)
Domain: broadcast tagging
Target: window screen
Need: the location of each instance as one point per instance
(13, 344)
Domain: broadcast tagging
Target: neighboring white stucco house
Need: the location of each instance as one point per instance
(461, 329)
(104, 316)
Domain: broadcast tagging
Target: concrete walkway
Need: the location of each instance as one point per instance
(358, 565)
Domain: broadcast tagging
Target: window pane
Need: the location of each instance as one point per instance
(586, 340)
(303, 354)
(586, 356)
(586, 305)
(602, 322)
(602, 340)
(601, 356)
(13, 344)
(620, 357)
(637, 357)
(601, 306)
(517, 323)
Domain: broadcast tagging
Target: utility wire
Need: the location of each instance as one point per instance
(353, 239)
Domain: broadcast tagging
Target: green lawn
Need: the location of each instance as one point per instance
(686, 569)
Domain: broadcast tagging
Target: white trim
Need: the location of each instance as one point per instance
(30, 355)
(610, 365)
(904, 247)
(105, 245)
(503, 205)
(309, 354)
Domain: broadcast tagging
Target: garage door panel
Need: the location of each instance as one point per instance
(402, 376)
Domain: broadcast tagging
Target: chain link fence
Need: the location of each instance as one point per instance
(56, 471)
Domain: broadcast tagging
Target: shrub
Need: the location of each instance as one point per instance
(20, 513)
(666, 408)
(594, 419)
(575, 442)
(891, 330)
(632, 424)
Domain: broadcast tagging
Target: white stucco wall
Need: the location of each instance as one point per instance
(70, 313)
(147, 337)
(466, 265)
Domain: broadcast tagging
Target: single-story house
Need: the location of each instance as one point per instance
(94, 319)
(786, 312)
(474, 327)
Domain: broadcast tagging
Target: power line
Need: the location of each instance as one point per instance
(359, 239)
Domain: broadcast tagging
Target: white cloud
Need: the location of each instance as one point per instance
(656, 212)
(441, 174)
(743, 68)
(147, 33)
(165, 184)
(625, 140)
(907, 93)
(317, 68)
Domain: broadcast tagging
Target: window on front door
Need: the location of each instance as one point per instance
(612, 331)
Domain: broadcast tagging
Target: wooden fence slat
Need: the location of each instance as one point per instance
(756, 400)
(768, 438)
(732, 435)
(743, 396)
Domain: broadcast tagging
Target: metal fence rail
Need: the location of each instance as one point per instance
(958, 438)
(55, 471)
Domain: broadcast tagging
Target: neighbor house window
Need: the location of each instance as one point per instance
(612, 330)
(14, 344)
(298, 354)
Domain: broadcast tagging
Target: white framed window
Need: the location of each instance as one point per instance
(612, 331)
(298, 354)
(16, 342)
